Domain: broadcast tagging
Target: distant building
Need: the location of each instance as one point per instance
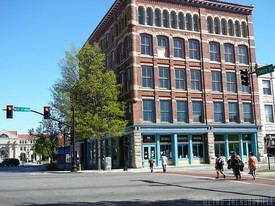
(14, 145)
(179, 63)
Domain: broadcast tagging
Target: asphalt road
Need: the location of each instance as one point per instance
(30, 187)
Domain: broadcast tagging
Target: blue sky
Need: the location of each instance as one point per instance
(34, 35)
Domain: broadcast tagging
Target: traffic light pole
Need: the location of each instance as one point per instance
(73, 153)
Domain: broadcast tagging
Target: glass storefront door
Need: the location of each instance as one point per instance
(148, 152)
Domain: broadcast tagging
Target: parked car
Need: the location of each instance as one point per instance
(10, 162)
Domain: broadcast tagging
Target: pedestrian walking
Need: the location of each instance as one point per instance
(164, 162)
(219, 166)
(151, 163)
(252, 165)
(236, 164)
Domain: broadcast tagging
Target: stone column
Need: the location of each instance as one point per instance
(136, 150)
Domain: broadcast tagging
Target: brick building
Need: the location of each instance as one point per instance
(179, 62)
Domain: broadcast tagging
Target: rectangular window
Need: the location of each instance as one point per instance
(216, 81)
(196, 80)
(178, 48)
(229, 53)
(146, 44)
(194, 49)
(269, 113)
(180, 79)
(266, 87)
(247, 113)
(182, 112)
(164, 78)
(231, 81)
(214, 51)
(243, 55)
(233, 112)
(197, 111)
(218, 112)
(147, 77)
(165, 111)
(148, 110)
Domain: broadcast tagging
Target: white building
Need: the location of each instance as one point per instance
(14, 145)
(267, 99)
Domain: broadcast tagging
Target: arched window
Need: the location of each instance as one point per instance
(230, 28)
(195, 23)
(223, 27)
(178, 48)
(165, 18)
(163, 46)
(180, 21)
(194, 51)
(188, 22)
(140, 15)
(145, 44)
(214, 51)
(216, 26)
(157, 17)
(244, 31)
(209, 25)
(173, 20)
(237, 28)
(243, 54)
(229, 56)
(149, 16)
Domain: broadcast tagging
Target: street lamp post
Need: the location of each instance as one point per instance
(73, 153)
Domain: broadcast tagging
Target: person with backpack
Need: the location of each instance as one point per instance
(219, 166)
(236, 164)
(151, 163)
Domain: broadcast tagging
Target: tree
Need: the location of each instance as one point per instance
(95, 98)
(46, 143)
(62, 87)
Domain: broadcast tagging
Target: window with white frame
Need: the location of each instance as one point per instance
(178, 48)
(269, 118)
(164, 78)
(214, 50)
(140, 15)
(163, 50)
(197, 111)
(196, 79)
(243, 58)
(165, 111)
(216, 81)
(149, 16)
(247, 113)
(266, 87)
(147, 77)
(233, 111)
(218, 112)
(148, 110)
(146, 44)
(182, 111)
(194, 49)
(180, 79)
(231, 81)
(229, 53)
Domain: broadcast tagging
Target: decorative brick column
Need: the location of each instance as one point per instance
(136, 150)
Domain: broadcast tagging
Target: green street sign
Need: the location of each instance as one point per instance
(21, 109)
(264, 70)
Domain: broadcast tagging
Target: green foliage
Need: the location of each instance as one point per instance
(98, 111)
(47, 140)
(62, 87)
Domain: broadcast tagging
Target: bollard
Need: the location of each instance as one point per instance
(79, 167)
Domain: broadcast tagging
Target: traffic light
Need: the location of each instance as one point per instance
(9, 112)
(47, 112)
(245, 77)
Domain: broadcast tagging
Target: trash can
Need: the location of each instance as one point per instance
(107, 163)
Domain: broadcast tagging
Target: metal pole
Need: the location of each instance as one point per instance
(64, 148)
(73, 156)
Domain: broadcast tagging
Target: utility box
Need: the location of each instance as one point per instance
(107, 163)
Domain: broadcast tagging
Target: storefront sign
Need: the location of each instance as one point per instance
(149, 139)
(183, 138)
(165, 139)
